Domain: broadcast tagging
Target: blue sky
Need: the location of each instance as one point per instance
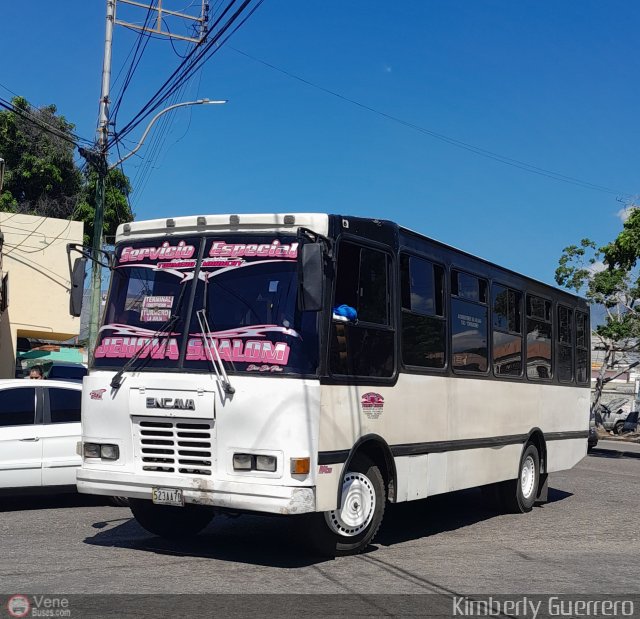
(553, 84)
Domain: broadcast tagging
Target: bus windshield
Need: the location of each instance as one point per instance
(247, 287)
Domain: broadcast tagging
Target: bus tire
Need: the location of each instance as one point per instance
(519, 495)
(171, 522)
(119, 501)
(349, 529)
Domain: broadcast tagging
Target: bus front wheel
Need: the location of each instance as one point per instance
(171, 522)
(351, 527)
(519, 495)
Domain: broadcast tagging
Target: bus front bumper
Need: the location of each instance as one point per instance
(226, 494)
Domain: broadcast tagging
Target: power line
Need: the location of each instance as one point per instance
(44, 126)
(194, 60)
(135, 62)
(522, 165)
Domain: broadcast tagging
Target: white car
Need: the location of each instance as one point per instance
(39, 430)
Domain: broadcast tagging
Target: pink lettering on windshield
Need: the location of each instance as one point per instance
(240, 345)
(166, 251)
(126, 347)
(275, 249)
(238, 351)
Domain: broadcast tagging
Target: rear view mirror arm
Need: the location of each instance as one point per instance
(305, 234)
(87, 252)
(77, 273)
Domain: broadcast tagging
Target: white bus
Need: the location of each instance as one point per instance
(324, 365)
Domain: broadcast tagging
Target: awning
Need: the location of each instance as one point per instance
(72, 355)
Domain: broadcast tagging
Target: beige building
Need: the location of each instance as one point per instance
(34, 263)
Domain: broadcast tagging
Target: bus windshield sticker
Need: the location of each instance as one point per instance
(166, 251)
(238, 251)
(158, 302)
(127, 340)
(156, 309)
(154, 314)
(233, 348)
(265, 367)
(372, 404)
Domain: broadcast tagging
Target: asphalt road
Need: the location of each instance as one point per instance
(585, 540)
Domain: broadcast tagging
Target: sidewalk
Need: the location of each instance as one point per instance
(617, 448)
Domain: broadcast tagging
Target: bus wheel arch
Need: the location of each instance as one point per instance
(530, 486)
(366, 482)
(353, 524)
(378, 451)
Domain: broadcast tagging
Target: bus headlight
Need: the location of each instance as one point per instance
(266, 463)
(91, 450)
(242, 462)
(255, 462)
(109, 452)
(104, 451)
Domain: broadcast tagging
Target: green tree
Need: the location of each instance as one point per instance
(42, 177)
(609, 284)
(116, 207)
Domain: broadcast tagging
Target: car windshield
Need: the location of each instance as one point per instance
(245, 285)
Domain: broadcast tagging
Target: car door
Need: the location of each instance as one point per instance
(20, 439)
(60, 435)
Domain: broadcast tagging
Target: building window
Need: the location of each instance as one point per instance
(469, 342)
(423, 323)
(507, 331)
(539, 319)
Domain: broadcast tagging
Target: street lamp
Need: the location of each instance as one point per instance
(153, 120)
(103, 168)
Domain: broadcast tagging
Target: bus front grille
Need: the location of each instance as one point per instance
(180, 446)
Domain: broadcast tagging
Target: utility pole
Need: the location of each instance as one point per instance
(101, 168)
(99, 157)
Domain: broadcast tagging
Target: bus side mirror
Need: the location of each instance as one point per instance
(77, 286)
(311, 277)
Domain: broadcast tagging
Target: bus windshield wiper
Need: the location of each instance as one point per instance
(116, 381)
(213, 354)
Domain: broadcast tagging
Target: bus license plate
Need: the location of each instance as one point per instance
(167, 496)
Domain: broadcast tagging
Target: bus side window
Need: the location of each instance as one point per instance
(423, 325)
(564, 348)
(507, 331)
(469, 313)
(582, 348)
(364, 347)
(538, 338)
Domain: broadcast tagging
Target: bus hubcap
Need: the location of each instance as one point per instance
(527, 477)
(357, 506)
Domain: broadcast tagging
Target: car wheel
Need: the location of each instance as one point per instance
(171, 522)
(351, 527)
(519, 495)
(617, 428)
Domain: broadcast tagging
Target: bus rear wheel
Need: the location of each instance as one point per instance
(519, 495)
(171, 522)
(351, 527)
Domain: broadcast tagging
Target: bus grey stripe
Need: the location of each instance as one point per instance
(415, 449)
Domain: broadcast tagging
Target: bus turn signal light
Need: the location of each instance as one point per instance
(300, 466)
